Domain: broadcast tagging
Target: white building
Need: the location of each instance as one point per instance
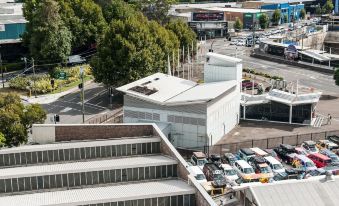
(190, 114)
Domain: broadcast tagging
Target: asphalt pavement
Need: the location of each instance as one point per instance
(69, 107)
(313, 79)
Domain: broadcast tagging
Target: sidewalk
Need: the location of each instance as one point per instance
(49, 98)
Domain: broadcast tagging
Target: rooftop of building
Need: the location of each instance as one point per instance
(238, 10)
(319, 192)
(11, 9)
(169, 90)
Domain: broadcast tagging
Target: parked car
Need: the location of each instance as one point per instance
(215, 158)
(320, 160)
(260, 166)
(285, 152)
(248, 84)
(197, 173)
(315, 173)
(245, 171)
(310, 147)
(245, 154)
(275, 165)
(198, 159)
(259, 152)
(229, 158)
(272, 153)
(229, 172)
(333, 138)
(301, 151)
(330, 154)
(215, 174)
(303, 162)
(326, 144)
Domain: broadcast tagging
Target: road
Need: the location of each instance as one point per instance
(307, 78)
(69, 107)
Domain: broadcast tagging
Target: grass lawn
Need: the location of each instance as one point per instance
(70, 86)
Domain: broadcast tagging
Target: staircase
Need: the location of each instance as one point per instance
(124, 171)
(318, 121)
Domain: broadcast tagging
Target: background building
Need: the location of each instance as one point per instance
(190, 114)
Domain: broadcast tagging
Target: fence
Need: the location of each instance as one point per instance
(269, 143)
(114, 117)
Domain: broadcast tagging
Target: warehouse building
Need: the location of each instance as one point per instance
(190, 114)
(97, 165)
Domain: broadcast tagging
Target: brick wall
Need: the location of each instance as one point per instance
(87, 132)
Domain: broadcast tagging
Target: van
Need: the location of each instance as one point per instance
(320, 160)
(245, 171)
(229, 172)
(259, 152)
(303, 162)
(245, 154)
(215, 174)
(198, 159)
(197, 173)
(275, 165)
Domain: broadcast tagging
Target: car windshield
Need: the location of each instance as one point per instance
(217, 176)
(277, 167)
(309, 164)
(312, 148)
(264, 170)
(201, 162)
(200, 177)
(230, 172)
(248, 170)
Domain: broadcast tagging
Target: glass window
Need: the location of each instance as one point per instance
(101, 177)
(92, 153)
(118, 175)
(8, 183)
(108, 151)
(12, 159)
(149, 148)
(114, 151)
(89, 178)
(76, 154)
(77, 179)
(28, 158)
(64, 180)
(46, 182)
(56, 155)
(97, 152)
(71, 180)
(129, 174)
(143, 148)
(141, 173)
(192, 199)
(23, 158)
(129, 150)
(15, 186)
(88, 152)
(163, 171)
(107, 177)
(180, 200)
(34, 183)
(148, 202)
(27, 183)
(103, 151)
(71, 154)
(169, 171)
(134, 149)
(34, 158)
(175, 174)
(112, 175)
(158, 172)
(2, 159)
(152, 173)
(50, 155)
(66, 154)
(124, 175)
(135, 174)
(83, 178)
(114, 204)
(58, 181)
(154, 201)
(17, 158)
(118, 152)
(141, 202)
(147, 173)
(174, 200)
(123, 150)
(186, 199)
(82, 153)
(128, 203)
(21, 184)
(61, 155)
(40, 183)
(95, 177)
(121, 203)
(52, 181)
(139, 150)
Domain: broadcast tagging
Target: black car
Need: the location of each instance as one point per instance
(229, 158)
(215, 158)
(284, 152)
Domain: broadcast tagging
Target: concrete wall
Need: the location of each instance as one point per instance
(314, 41)
(43, 134)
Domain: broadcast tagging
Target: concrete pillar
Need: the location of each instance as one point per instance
(291, 109)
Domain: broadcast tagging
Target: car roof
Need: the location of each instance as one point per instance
(272, 160)
(243, 164)
(247, 151)
(258, 151)
(320, 156)
(195, 169)
(309, 142)
(258, 159)
(199, 155)
(303, 158)
(287, 146)
(226, 166)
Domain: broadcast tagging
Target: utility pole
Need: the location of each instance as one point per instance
(2, 72)
(82, 94)
(34, 77)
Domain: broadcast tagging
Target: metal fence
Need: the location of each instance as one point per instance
(112, 117)
(269, 143)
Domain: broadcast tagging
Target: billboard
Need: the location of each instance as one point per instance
(208, 16)
(2, 27)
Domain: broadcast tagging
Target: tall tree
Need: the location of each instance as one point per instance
(328, 7)
(156, 10)
(16, 118)
(47, 36)
(184, 33)
(302, 13)
(264, 21)
(276, 16)
(238, 24)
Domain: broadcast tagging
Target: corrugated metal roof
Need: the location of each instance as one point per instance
(80, 144)
(119, 163)
(101, 194)
(311, 192)
(13, 21)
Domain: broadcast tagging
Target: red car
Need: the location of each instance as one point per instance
(249, 84)
(320, 160)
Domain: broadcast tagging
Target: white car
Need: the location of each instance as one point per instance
(275, 165)
(229, 172)
(241, 43)
(197, 173)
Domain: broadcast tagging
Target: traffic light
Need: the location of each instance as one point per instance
(80, 86)
(56, 118)
(52, 83)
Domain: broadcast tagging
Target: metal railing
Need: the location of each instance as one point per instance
(114, 117)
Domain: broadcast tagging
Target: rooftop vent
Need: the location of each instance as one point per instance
(143, 90)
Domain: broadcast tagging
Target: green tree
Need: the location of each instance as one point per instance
(16, 118)
(264, 21)
(336, 77)
(2, 140)
(302, 13)
(184, 33)
(118, 9)
(131, 49)
(276, 17)
(285, 18)
(238, 25)
(318, 10)
(46, 34)
(156, 10)
(328, 7)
